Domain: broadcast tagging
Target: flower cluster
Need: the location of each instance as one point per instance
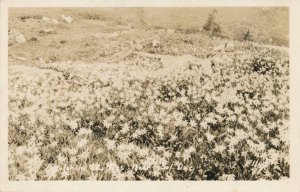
(152, 117)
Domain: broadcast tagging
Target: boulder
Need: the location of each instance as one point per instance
(49, 20)
(15, 36)
(67, 19)
(45, 19)
(20, 38)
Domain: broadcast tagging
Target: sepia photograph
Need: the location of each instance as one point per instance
(148, 93)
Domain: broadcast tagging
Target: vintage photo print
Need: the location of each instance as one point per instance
(193, 95)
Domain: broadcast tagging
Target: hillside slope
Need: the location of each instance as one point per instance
(264, 23)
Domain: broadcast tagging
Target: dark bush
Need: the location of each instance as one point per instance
(211, 26)
(262, 66)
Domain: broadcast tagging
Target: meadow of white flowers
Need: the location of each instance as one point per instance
(152, 118)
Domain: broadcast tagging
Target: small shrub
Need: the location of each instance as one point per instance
(92, 16)
(211, 25)
(247, 36)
